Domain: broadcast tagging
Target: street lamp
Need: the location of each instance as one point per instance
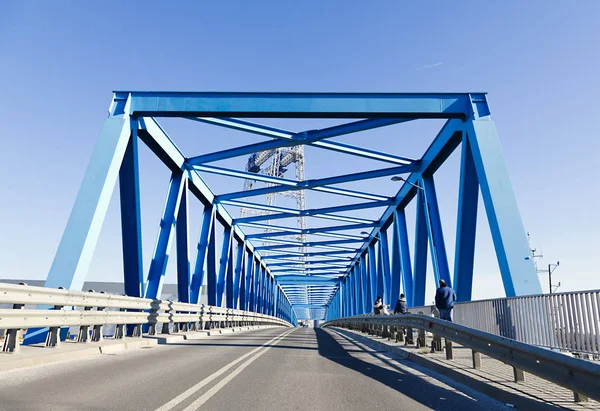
(398, 178)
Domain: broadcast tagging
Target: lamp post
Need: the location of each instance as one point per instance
(398, 178)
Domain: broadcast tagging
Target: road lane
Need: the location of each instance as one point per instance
(321, 370)
(139, 380)
(275, 369)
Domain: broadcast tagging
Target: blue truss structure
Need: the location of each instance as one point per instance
(340, 274)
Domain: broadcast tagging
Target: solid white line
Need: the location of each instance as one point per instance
(217, 387)
(186, 394)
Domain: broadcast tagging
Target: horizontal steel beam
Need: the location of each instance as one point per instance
(304, 279)
(306, 105)
(305, 137)
(316, 230)
(289, 212)
(284, 135)
(293, 185)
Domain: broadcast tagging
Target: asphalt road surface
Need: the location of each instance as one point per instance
(271, 369)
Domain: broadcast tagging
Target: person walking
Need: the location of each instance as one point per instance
(400, 307)
(444, 301)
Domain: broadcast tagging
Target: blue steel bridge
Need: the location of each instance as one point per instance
(261, 272)
(347, 262)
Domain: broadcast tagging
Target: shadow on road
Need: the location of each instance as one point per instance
(413, 386)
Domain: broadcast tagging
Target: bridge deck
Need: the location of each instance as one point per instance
(303, 369)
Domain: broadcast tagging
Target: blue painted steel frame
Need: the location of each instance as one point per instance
(131, 225)
(249, 282)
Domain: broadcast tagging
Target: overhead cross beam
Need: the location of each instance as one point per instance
(324, 212)
(318, 184)
(305, 105)
(319, 230)
(290, 138)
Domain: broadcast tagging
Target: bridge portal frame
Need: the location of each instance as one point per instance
(247, 280)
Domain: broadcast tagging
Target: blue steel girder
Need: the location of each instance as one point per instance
(284, 135)
(283, 212)
(306, 105)
(316, 184)
(316, 230)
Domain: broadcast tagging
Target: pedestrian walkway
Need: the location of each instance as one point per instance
(495, 377)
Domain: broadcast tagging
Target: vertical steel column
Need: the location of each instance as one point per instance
(354, 293)
(74, 254)
(368, 297)
(224, 264)
(275, 300)
(263, 288)
(245, 305)
(396, 261)
(238, 280)
(267, 293)
(516, 266)
(359, 288)
(391, 294)
(259, 290)
(208, 217)
(158, 265)
(436, 235)
(402, 243)
(381, 286)
(420, 259)
(372, 272)
(256, 282)
(229, 277)
(211, 266)
(183, 258)
(131, 226)
(466, 226)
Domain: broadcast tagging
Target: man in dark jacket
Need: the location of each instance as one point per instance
(400, 307)
(444, 301)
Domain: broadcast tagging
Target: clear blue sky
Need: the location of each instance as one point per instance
(538, 61)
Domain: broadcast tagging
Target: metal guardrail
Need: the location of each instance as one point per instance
(565, 321)
(90, 311)
(580, 376)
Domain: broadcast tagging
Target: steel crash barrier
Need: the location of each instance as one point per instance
(90, 311)
(565, 321)
(580, 376)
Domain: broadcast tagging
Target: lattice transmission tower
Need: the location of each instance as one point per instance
(275, 163)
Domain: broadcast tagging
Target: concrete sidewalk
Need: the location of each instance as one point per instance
(38, 354)
(494, 378)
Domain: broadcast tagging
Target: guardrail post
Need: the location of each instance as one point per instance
(97, 330)
(518, 374)
(12, 337)
(119, 329)
(436, 342)
(84, 330)
(421, 338)
(53, 336)
(449, 353)
(165, 325)
(203, 318)
(409, 340)
(476, 356)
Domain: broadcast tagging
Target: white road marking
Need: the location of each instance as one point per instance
(217, 387)
(186, 394)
